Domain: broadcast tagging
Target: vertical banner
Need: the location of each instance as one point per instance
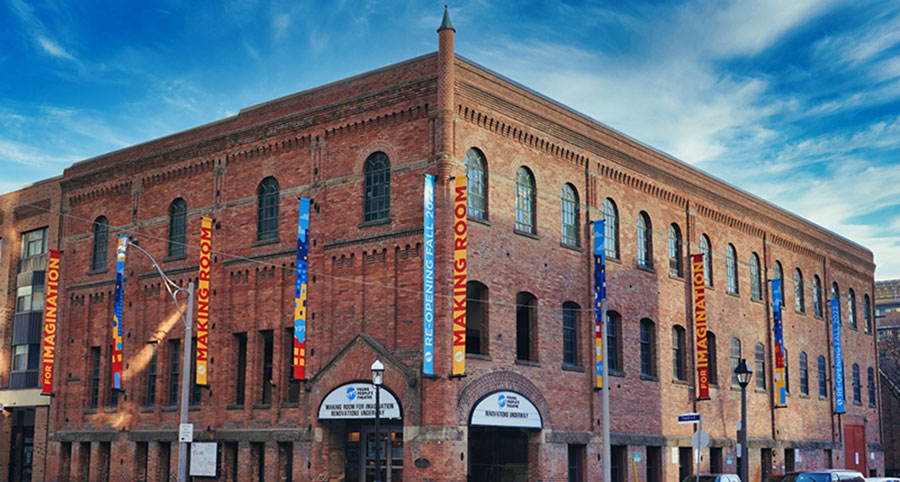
(599, 296)
(699, 289)
(299, 359)
(838, 374)
(460, 228)
(203, 301)
(117, 313)
(51, 295)
(778, 331)
(428, 279)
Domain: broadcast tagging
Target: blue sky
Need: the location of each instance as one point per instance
(797, 102)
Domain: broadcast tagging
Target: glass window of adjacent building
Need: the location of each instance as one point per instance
(267, 199)
(648, 348)
(755, 278)
(525, 201)
(570, 333)
(645, 240)
(820, 369)
(804, 374)
(34, 243)
(101, 243)
(679, 362)
(569, 208)
(817, 296)
(731, 269)
(611, 229)
(760, 355)
(799, 304)
(779, 275)
(675, 248)
(851, 308)
(706, 251)
(377, 173)
(867, 313)
(735, 358)
(177, 227)
(476, 183)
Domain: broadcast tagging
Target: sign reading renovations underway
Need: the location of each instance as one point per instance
(357, 400)
(506, 409)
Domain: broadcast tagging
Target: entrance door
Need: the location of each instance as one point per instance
(498, 454)
(21, 445)
(855, 447)
(360, 454)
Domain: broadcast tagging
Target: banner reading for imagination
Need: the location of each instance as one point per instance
(599, 296)
(701, 328)
(117, 313)
(51, 296)
(838, 356)
(301, 290)
(778, 331)
(203, 301)
(428, 280)
(460, 228)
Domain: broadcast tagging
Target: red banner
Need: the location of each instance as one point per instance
(203, 300)
(460, 228)
(700, 323)
(51, 295)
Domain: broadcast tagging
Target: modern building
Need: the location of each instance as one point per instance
(526, 409)
(887, 313)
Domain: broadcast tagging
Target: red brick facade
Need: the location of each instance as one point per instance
(365, 290)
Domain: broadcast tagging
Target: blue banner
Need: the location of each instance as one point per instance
(121, 248)
(300, 293)
(838, 374)
(599, 296)
(778, 329)
(428, 280)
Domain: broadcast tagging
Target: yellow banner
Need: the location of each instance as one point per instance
(460, 228)
(203, 300)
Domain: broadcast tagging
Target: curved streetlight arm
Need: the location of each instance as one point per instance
(171, 286)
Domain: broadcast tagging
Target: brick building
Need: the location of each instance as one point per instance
(539, 172)
(887, 313)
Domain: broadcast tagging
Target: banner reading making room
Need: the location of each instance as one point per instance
(203, 292)
(300, 293)
(778, 335)
(701, 328)
(51, 296)
(599, 296)
(117, 313)
(428, 279)
(460, 228)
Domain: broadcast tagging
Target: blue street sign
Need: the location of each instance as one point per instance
(689, 418)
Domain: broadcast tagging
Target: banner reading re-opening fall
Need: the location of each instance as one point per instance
(700, 324)
(460, 228)
(48, 354)
(203, 300)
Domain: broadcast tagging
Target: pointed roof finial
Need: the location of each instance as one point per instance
(445, 22)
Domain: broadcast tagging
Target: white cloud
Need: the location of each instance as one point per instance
(54, 49)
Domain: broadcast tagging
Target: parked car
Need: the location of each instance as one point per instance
(882, 479)
(827, 475)
(713, 478)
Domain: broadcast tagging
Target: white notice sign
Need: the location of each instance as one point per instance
(186, 432)
(357, 400)
(203, 459)
(506, 409)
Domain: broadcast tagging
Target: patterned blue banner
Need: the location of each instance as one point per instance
(838, 374)
(301, 291)
(121, 248)
(778, 329)
(428, 280)
(599, 296)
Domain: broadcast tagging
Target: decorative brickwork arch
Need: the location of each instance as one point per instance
(500, 380)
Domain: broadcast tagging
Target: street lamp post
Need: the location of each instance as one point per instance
(377, 379)
(173, 290)
(743, 373)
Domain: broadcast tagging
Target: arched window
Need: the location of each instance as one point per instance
(706, 251)
(675, 255)
(613, 341)
(611, 229)
(679, 361)
(101, 241)
(477, 318)
(712, 357)
(799, 303)
(648, 348)
(867, 312)
(569, 206)
(377, 173)
(177, 227)
(267, 209)
(804, 375)
(857, 386)
(570, 332)
(820, 368)
(645, 240)
(779, 275)
(759, 352)
(525, 205)
(817, 296)
(851, 308)
(526, 323)
(871, 385)
(735, 358)
(731, 269)
(755, 278)
(476, 183)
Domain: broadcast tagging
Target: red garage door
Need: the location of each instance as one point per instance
(855, 444)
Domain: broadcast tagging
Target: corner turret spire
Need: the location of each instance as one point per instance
(445, 22)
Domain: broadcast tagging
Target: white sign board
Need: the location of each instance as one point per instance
(357, 400)
(506, 409)
(186, 432)
(700, 439)
(203, 459)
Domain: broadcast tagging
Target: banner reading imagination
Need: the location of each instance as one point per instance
(51, 295)
(838, 356)
(117, 313)
(301, 290)
(428, 279)
(599, 296)
(700, 324)
(778, 331)
(460, 228)
(203, 300)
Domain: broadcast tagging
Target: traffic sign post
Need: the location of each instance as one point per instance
(700, 439)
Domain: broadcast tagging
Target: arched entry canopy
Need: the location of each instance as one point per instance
(357, 401)
(506, 408)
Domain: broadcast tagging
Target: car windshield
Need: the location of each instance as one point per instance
(807, 478)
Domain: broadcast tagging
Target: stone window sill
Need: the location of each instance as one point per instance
(526, 234)
(266, 242)
(573, 368)
(573, 247)
(529, 363)
(478, 220)
(375, 222)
